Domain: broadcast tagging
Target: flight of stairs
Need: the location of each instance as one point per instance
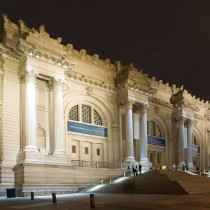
(159, 182)
(193, 184)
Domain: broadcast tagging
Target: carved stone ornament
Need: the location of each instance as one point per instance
(89, 91)
(130, 103)
(143, 107)
(189, 122)
(157, 110)
(181, 119)
(59, 80)
(30, 71)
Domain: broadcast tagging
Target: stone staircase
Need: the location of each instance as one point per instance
(158, 182)
(193, 184)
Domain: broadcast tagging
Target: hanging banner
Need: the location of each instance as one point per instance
(156, 141)
(87, 129)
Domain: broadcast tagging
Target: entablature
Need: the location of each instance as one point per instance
(81, 78)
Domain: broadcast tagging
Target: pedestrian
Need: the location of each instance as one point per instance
(136, 167)
(134, 171)
(140, 167)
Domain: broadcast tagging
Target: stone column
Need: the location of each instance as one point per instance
(136, 127)
(189, 144)
(129, 132)
(30, 111)
(59, 136)
(181, 162)
(51, 117)
(143, 138)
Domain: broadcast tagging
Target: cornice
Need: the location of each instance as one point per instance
(199, 117)
(160, 85)
(8, 53)
(90, 59)
(132, 85)
(44, 55)
(81, 78)
(161, 103)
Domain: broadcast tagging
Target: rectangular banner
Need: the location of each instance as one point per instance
(87, 129)
(156, 141)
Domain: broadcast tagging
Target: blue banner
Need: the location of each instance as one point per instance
(87, 129)
(156, 141)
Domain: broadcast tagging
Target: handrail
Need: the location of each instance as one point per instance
(95, 164)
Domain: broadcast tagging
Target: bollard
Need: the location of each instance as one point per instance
(54, 198)
(32, 195)
(110, 181)
(92, 200)
(102, 181)
(124, 174)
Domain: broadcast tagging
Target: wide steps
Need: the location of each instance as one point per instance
(159, 182)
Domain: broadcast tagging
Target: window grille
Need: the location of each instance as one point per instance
(86, 114)
(73, 114)
(97, 118)
(153, 129)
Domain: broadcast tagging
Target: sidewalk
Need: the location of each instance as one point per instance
(80, 201)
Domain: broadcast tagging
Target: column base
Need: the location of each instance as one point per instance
(59, 152)
(181, 166)
(30, 149)
(190, 167)
(129, 160)
(146, 164)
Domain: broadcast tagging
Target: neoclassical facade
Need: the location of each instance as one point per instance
(69, 119)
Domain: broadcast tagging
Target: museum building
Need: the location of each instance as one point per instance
(69, 119)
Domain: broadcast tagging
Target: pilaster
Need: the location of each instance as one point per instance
(59, 136)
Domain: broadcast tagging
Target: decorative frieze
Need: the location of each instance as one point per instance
(90, 80)
(46, 57)
(161, 103)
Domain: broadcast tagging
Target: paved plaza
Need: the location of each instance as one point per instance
(80, 201)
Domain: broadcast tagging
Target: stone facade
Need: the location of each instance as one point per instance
(69, 119)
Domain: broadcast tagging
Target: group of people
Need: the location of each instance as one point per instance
(137, 169)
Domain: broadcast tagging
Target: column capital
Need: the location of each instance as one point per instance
(190, 122)
(181, 119)
(29, 71)
(143, 107)
(136, 109)
(59, 80)
(50, 85)
(129, 103)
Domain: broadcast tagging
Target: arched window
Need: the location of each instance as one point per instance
(97, 118)
(153, 129)
(83, 113)
(73, 114)
(86, 113)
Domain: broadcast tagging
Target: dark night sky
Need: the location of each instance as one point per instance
(168, 39)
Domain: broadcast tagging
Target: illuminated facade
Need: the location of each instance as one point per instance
(68, 119)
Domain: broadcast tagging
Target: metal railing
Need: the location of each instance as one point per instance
(95, 164)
